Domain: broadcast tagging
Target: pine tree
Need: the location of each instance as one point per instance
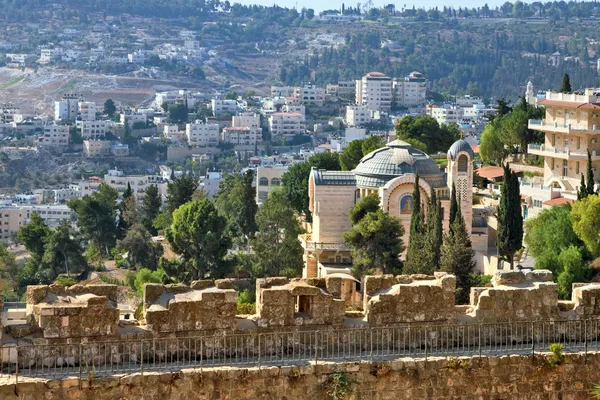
(590, 175)
(418, 256)
(128, 192)
(457, 257)
(510, 219)
(566, 84)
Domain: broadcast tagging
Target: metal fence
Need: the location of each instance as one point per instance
(297, 348)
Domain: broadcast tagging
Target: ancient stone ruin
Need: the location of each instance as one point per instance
(284, 302)
(200, 306)
(70, 312)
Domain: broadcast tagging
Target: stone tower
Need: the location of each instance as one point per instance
(460, 172)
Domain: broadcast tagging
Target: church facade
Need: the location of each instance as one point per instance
(390, 173)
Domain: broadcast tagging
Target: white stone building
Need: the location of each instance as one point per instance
(374, 91)
(358, 115)
(201, 134)
(240, 136)
(56, 136)
(287, 124)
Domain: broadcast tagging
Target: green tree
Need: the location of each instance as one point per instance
(150, 208)
(377, 244)
(566, 84)
(510, 219)
(457, 257)
(180, 191)
(418, 256)
(178, 114)
(582, 189)
(351, 155)
(574, 269)
(33, 235)
(426, 130)
(585, 217)
(97, 218)
(146, 275)
(453, 205)
(276, 243)
(550, 231)
(295, 181)
(372, 143)
(491, 147)
(236, 202)
(63, 251)
(109, 108)
(367, 204)
(141, 250)
(198, 235)
(435, 230)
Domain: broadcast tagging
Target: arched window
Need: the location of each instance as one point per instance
(406, 204)
(275, 181)
(463, 163)
(263, 181)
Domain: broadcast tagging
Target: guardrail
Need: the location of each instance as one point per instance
(93, 359)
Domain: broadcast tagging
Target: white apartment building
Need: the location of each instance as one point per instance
(219, 107)
(446, 114)
(139, 183)
(250, 120)
(181, 96)
(172, 132)
(87, 110)
(131, 118)
(268, 178)
(240, 136)
(119, 150)
(47, 55)
(310, 95)
(211, 182)
(343, 90)
(8, 113)
(201, 134)
(67, 107)
(92, 129)
(282, 91)
(287, 124)
(410, 91)
(374, 91)
(358, 115)
(93, 148)
(13, 217)
(56, 136)
(137, 57)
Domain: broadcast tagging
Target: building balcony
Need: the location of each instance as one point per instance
(551, 126)
(308, 244)
(562, 153)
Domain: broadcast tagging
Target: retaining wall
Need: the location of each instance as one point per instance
(504, 377)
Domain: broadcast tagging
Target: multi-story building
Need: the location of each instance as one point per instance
(92, 129)
(132, 118)
(572, 129)
(287, 124)
(8, 112)
(446, 114)
(310, 95)
(410, 91)
(201, 134)
(219, 107)
(67, 107)
(358, 115)
(374, 91)
(211, 182)
(13, 217)
(56, 136)
(240, 136)
(139, 183)
(87, 110)
(250, 120)
(282, 91)
(119, 150)
(93, 148)
(268, 178)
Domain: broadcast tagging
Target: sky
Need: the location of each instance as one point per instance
(319, 5)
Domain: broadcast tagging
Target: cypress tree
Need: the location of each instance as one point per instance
(590, 175)
(453, 204)
(434, 229)
(127, 193)
(582, 191)
(566, 84)
(418, 258)
(457, 257)
(510, 219)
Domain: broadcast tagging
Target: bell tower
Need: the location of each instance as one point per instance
(460, 172)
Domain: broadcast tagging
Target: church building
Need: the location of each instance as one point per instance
(390, 173)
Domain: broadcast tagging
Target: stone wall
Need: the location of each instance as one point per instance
(502, 377)
(409, 298)
(200, 306)
(76, 311)
(284, 302)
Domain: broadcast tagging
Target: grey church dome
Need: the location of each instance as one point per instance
(458, 146)
(396, 159)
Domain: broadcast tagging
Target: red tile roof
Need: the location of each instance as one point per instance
(490, 172)
(570, 104)
(558, 201)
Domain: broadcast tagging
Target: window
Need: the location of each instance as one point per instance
(275, 182)
(578, 143)
(577, 167)
(303, 305)
(463, 164)
(263, 181)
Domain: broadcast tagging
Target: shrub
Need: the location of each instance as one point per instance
(338, 385)
(65, 281)
(246, 302)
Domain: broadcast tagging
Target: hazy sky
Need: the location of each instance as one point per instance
(325, 5)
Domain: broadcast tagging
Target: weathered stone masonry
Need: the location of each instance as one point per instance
(486, 378)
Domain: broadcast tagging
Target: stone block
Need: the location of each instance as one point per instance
(201, 284)
(224, 284)
(539, 275)
(507, 278)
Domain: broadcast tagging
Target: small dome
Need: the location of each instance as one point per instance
(460, 146)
